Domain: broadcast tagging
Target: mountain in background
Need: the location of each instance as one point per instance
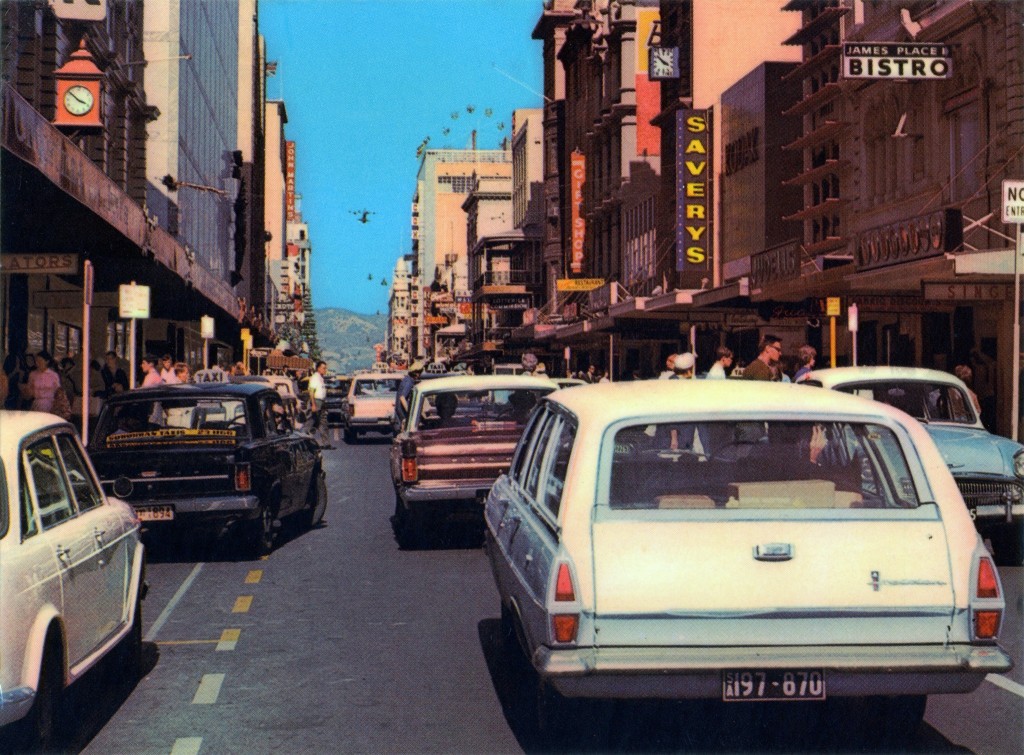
(347, 338)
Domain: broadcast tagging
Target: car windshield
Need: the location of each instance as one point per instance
(924, 400)
(759, 465)
(468, 408)
(383, 387)
(189, 420)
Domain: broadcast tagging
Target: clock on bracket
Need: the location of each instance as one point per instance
(79, 85)
(663, 63)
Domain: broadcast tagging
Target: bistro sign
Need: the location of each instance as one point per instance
(896, 60)
(907, 240)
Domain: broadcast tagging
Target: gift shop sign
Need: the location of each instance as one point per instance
(693, 197)
(577, 177)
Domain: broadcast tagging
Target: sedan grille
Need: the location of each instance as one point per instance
(989, 492)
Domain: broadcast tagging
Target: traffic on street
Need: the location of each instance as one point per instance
(339, 640)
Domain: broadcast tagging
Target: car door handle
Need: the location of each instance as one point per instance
(98, 534)
(63, 554)
(773, 552)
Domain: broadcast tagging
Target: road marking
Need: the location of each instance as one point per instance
(186, 642)
(187, 746)
(1008, 684)
(228, 639)
(209, 689)
(166, 613)
(254, 577)
(242, 603)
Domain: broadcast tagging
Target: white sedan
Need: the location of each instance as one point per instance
(71, 575)
(740, 542)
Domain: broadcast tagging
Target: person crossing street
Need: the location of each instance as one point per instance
(318, 404)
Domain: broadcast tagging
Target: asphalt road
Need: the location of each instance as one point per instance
(340, 642)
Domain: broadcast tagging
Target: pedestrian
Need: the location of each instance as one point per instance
(965, 373)
(682, 367)
(763, 367)
(807, 355)
(405, 387)
(542, 370)
(66, 370)
(97, 387)
(723, 361)
(669, 371)
(167, 370)
(17, 373)
(238, 369)
(318, 403)
(115, 379)
(591, 375)
(529, 362)
(182, 373)
(150, 373)
(43, 384)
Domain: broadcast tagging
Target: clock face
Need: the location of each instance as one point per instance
(663, 62)
(78, 100)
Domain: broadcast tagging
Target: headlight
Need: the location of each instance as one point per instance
(1018, 463)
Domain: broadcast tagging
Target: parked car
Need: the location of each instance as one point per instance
(72, 570)
(283, 385)
(337, 394)
(213, 457)
(563, 382)
(371, 404)
(739, 542)
(988, 468)
(459, 436)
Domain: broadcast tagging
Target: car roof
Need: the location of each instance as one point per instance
(830, 376)
(14, 425)
(377, 375)
(179, 389)
(604, 403)
(483, 383)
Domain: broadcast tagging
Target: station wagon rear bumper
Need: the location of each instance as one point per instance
(470, 491)
(211, 507)
(696, 672)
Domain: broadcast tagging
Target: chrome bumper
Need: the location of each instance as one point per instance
(696, 672)
(470, 492)
(213, 506)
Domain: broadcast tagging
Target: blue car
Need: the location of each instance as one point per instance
(988, 468)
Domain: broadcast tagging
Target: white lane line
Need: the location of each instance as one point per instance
(1008, 684)
(209, 689)
(187, 746)
(166, 613)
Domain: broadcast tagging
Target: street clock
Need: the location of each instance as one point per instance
(663, 63)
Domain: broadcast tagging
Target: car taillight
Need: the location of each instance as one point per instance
(409, 471)
(565, 625)
(243, 477)
(987, 618)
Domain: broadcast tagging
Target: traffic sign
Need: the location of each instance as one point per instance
(1013, 202)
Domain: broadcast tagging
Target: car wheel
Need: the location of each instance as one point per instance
(128, 655)
(551, 714)
(317, 503)
(408, 526)
(43, 723)
(260, 535)
(901, 718)
(1008, 546)
(350, 436)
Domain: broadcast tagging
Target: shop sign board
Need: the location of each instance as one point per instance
(80, 10)
(912, 239)
(577, 177)
(40, 264)
(693, 194)
(967, 292)
(897, 60)
(579, 284)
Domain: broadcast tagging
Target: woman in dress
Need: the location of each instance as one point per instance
(43, 383)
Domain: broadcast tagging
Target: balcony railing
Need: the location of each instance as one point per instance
(508, 278)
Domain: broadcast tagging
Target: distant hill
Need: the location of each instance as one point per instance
(346, 338)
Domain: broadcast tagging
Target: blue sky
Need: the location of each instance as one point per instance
(364, 83)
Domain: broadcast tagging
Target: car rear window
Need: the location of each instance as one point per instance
(475, 408)
(926, 401)
(383, 387)
(173, 421)
(759, 465)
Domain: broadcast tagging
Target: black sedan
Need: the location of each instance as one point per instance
(216, 456)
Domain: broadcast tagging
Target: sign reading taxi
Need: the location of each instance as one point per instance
(579, 284)
(896, 60)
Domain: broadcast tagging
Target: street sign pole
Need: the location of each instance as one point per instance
(1015, 420)
(84, 356)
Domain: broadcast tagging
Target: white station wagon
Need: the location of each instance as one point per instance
(71, 575)
(740, 542)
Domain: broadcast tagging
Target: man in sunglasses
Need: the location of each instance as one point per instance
(765, 366)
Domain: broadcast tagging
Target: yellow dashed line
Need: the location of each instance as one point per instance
(228, 639)
(242, 604)
(254, 577)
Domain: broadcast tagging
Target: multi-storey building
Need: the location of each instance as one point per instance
(445, 178)
(400, 313)
(277, 302)
(86, 161)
